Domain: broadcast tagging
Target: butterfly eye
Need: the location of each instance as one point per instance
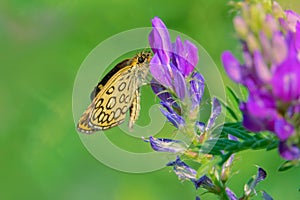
(141, 59)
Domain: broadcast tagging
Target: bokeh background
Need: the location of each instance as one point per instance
(42, 45)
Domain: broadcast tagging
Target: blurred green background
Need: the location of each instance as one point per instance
(42, 44)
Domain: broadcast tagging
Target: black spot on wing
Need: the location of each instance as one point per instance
(110, 90)
(122, 98)
(111, 103)
(122, 86)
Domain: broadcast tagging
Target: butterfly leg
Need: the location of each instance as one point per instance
(134, 109)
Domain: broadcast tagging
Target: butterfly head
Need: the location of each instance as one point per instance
(144, 58)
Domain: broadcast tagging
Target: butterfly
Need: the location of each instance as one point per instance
(115, 94)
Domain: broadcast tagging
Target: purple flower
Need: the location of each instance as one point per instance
(197, 89)
(215, 112)
(204, 182)
(167, 145)
(171, 115)
(270, 72)
(286, 80)
(171, 63)
(161, 91)
(252, 183)
(182, 170)
(174, 79)
(185, 56)
(231, 194)
(292, 18)
(289, 152)
(180, 89)
(159, 40)
(259, 112)
(232, 66)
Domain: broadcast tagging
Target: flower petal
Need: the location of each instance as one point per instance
(279, 48)
(230, 194)
(196, 91)
(266, 46)
(249, 188)
(283, 129)
(259, 113)
(159, 40)
(160, 71)
(270, 25)
(261, 175)
(200, 126)
(240, 26)
(261, 68)
(215, 112)
(161, 91)
(266, 196)
(166, 145)
(297, 39)
(185, 56)
(182, 170)
(172, 116)
(286, 80)
(179, 85)
(289, 152)
(291, 19)
(204, 182)
(232, 66)
(191, 57)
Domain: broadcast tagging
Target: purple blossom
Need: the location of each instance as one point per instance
(167, 145)
(270, 72)
(174, 80)
(204, 182)
(180, 89)
(249, 188)
(173, 63)
(292, 18)
(215, 112)
(289, 151)
(197, 89)
(230, 194)
(171, 115)
(182, 170)
(185, 56)
(261, 175)
(185, 172)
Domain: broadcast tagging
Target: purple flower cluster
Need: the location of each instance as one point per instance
(174, 80)
(180, 90)
(184, 172)
(178, 86)
(270, 41)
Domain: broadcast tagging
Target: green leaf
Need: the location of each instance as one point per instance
(242, 134)
(244, 92)
(272, 145)
(232, 105)
(233, 95)
(258, 144)
(288, 165)
(231, 112)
